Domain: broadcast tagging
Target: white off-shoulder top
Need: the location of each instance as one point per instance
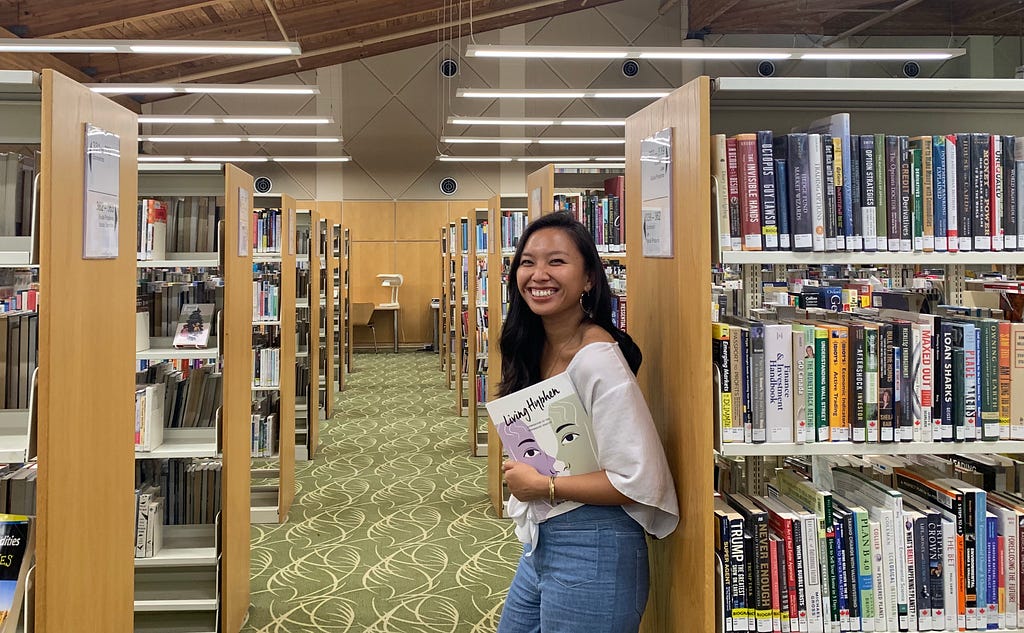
(629, 449)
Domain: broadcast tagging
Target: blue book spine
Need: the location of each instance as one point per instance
(844, 604)
(782, 204)
(992, 554)
(847, 187)
(939, 191)
(981, 554)
(979, 423)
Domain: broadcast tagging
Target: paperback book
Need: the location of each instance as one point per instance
(193, 329)
(15, 559)
(546, 426)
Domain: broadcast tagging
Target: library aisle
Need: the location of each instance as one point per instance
(391, 530)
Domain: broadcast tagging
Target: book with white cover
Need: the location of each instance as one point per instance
(193, 329)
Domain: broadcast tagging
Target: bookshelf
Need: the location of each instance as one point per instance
(340, 277)
(270, 502)
(327, 265)
(683, 593)
(77, 419)
(442, 312)
(306, 353)
(477, 341)
(460, 320)
(507, 220)
(452, 312)
(201, 578)
(347, 285)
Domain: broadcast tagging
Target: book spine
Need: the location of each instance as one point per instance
(995, 189)
(1017, 382)
(971, 392)
(865, 571)
(778, 373)
(750, 199)
(892, 193)
(798, 564)
(952, 195)
(766, 177)
(927, 374)
(913, 608)
(722, 550)
(906, 221)
(988, 365)
(981, 218)
(916, 197)
(737, 564)
(844, 214)
(782, 200)
(821, 373)
(868, 192)
(799, 380)
(733, 189)
(858, 421)
(798, 163)
(886, 384)
(817, 187)
(774, 588)
(722, 361)
(935, 570)
(938, 184)
(949, 575)
(964, 189)
(922, 583)
(971, 563)
(881, 192)
(833, 214)
(762, 572)
(927, 194)
(1010, 214)
(842, 594)
(871, 383)
(838, 384)
(757, 383)
(855, 241)
(992, 570)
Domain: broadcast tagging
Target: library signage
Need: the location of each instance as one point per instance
(656, 194)
(102, 191)
(244, 213)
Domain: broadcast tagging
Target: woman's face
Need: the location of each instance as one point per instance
(551, 275)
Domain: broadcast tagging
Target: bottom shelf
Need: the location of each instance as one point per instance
(163, 590)
(182, 622)
(263, 507)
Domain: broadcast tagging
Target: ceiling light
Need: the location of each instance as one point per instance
(540, 140)
(709, 52)
(160, 159)
(256, 89)
(294, 139)
(474, 159)
(170, 47)
(486, 139)
(484, 120)
(179, 167)
(552, 159)
(192, 139)
(619, 93)
(581, 141)
(189, 119)
(526, 159)
(228, 159)
(312, 159)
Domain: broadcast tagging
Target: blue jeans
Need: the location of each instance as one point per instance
(589, 574)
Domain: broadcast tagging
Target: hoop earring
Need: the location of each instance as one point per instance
(587, 312)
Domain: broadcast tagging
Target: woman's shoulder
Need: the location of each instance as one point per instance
(594, 333)
(599, 358)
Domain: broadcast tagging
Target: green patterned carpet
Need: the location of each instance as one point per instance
(391, 530)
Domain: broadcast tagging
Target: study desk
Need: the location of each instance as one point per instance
(393, 308)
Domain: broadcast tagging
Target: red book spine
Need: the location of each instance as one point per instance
(749, 191)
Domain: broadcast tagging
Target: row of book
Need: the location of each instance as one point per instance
(602, 215)
(263, 424)
(513, 223)
(18, 489)
(17, 174)
(869, 376)
(480, 383)
(164, 300)
(619, 311)
(266, 231)
(482, 234)
(830, 190)
(191, 488)
(266, 367)
(887, 545)
(188, 398)
(177, 225)
(481, 282)
(266, 299)
(19, 357)
(149, 515)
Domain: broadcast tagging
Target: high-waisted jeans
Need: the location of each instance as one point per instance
(588, 574)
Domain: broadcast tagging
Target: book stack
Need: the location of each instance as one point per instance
(266, 231)
(512, 225)
(191, 488)
(601, 213)
(177, 225)
(829, 190)
(264, 425)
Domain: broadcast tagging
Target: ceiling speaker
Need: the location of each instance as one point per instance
(448, 186)
(449, 68)
(630, 68)
(263, 184)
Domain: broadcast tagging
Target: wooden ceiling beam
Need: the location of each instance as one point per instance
(867, 24)
(44, 20)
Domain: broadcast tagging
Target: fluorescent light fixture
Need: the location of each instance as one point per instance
(160, 159)
(228, 159)
(196, 119)
(192, 139)
(534, 122)
(254, 89)
(487, 139)
(600, 93)
(591, 166)
(710, 52)
(169, 47)
(552, 159)
(312, 159)
(180, 167)
(540, 140)
(474, 159)
(294, 139)
(528, 159)
(611, 159)
(581, 141)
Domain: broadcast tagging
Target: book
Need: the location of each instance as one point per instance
(546, 426)
(193, 329)
(16, 550)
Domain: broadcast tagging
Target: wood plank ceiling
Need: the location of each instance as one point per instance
(329, 31)
(835, 17)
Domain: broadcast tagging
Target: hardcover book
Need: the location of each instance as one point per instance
(194, 323)
(546, 426)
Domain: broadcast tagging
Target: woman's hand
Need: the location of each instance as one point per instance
(525, 482)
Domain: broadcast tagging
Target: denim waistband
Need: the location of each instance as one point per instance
(591, 515)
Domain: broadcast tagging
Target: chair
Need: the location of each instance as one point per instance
(362, 314)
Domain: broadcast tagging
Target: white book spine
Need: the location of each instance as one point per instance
(927, 374)
(888, 526)
(1011, 556)
(721, 179)
(817, 191)
(951, 201)
(799, 384)
(903, 593)
(949, 575)
(778, 378)
(878, 575)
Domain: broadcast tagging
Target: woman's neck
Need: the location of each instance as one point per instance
(562, 331)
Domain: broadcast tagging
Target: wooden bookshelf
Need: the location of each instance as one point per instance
(271, 503)
(340, 326)
(442, 311)
(347, 286)
(682, 570)
(307, 355)
(327, 264)
(314, 412)
(476, 353)
(451, 306)
(82, 412)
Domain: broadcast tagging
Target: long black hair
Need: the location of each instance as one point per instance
(522, 335)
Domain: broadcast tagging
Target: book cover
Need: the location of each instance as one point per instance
(194, 323)
(15, 560)
(546, 426)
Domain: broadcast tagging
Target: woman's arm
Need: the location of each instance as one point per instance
(592, 488)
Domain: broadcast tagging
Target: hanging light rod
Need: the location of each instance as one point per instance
(711, 52)
(156, 158)
(444, 158)
(246, 89)
(599, 93)
(239, 139)
(199, 119)
(541, 140)
(166, 47)
(527, 121)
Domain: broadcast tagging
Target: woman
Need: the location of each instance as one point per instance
(584, 567)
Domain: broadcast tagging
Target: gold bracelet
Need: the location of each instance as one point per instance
(551, 490)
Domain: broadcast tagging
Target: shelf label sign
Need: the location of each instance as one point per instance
(244, 214)
(656, 194)
(100, 218)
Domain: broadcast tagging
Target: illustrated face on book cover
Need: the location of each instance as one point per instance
(570, 442)
(523, 447)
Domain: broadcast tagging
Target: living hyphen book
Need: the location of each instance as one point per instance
(546, 426)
